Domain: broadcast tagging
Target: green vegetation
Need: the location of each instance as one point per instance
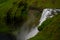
(13, 13)
(44, 3)
(1, 1)
(51, 30)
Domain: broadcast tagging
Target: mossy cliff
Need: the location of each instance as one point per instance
(14, 13)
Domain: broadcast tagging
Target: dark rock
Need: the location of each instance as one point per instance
(7, 36)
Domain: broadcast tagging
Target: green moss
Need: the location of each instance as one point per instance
(11, 15)
(44, 3)
(1, 1)
(51, 30)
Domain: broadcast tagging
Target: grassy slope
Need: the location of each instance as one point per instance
(51, 30)
(44, 3)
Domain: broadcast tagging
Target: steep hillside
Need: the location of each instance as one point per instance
(50, 31)
(14, 13)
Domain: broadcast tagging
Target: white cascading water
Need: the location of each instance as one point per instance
(25, 34)
(48, 13)
(45, 14)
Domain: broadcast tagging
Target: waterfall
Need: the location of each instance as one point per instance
(32, 33)
(25, 34)
(46, 13)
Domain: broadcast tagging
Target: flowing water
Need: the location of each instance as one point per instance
(26, 33)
